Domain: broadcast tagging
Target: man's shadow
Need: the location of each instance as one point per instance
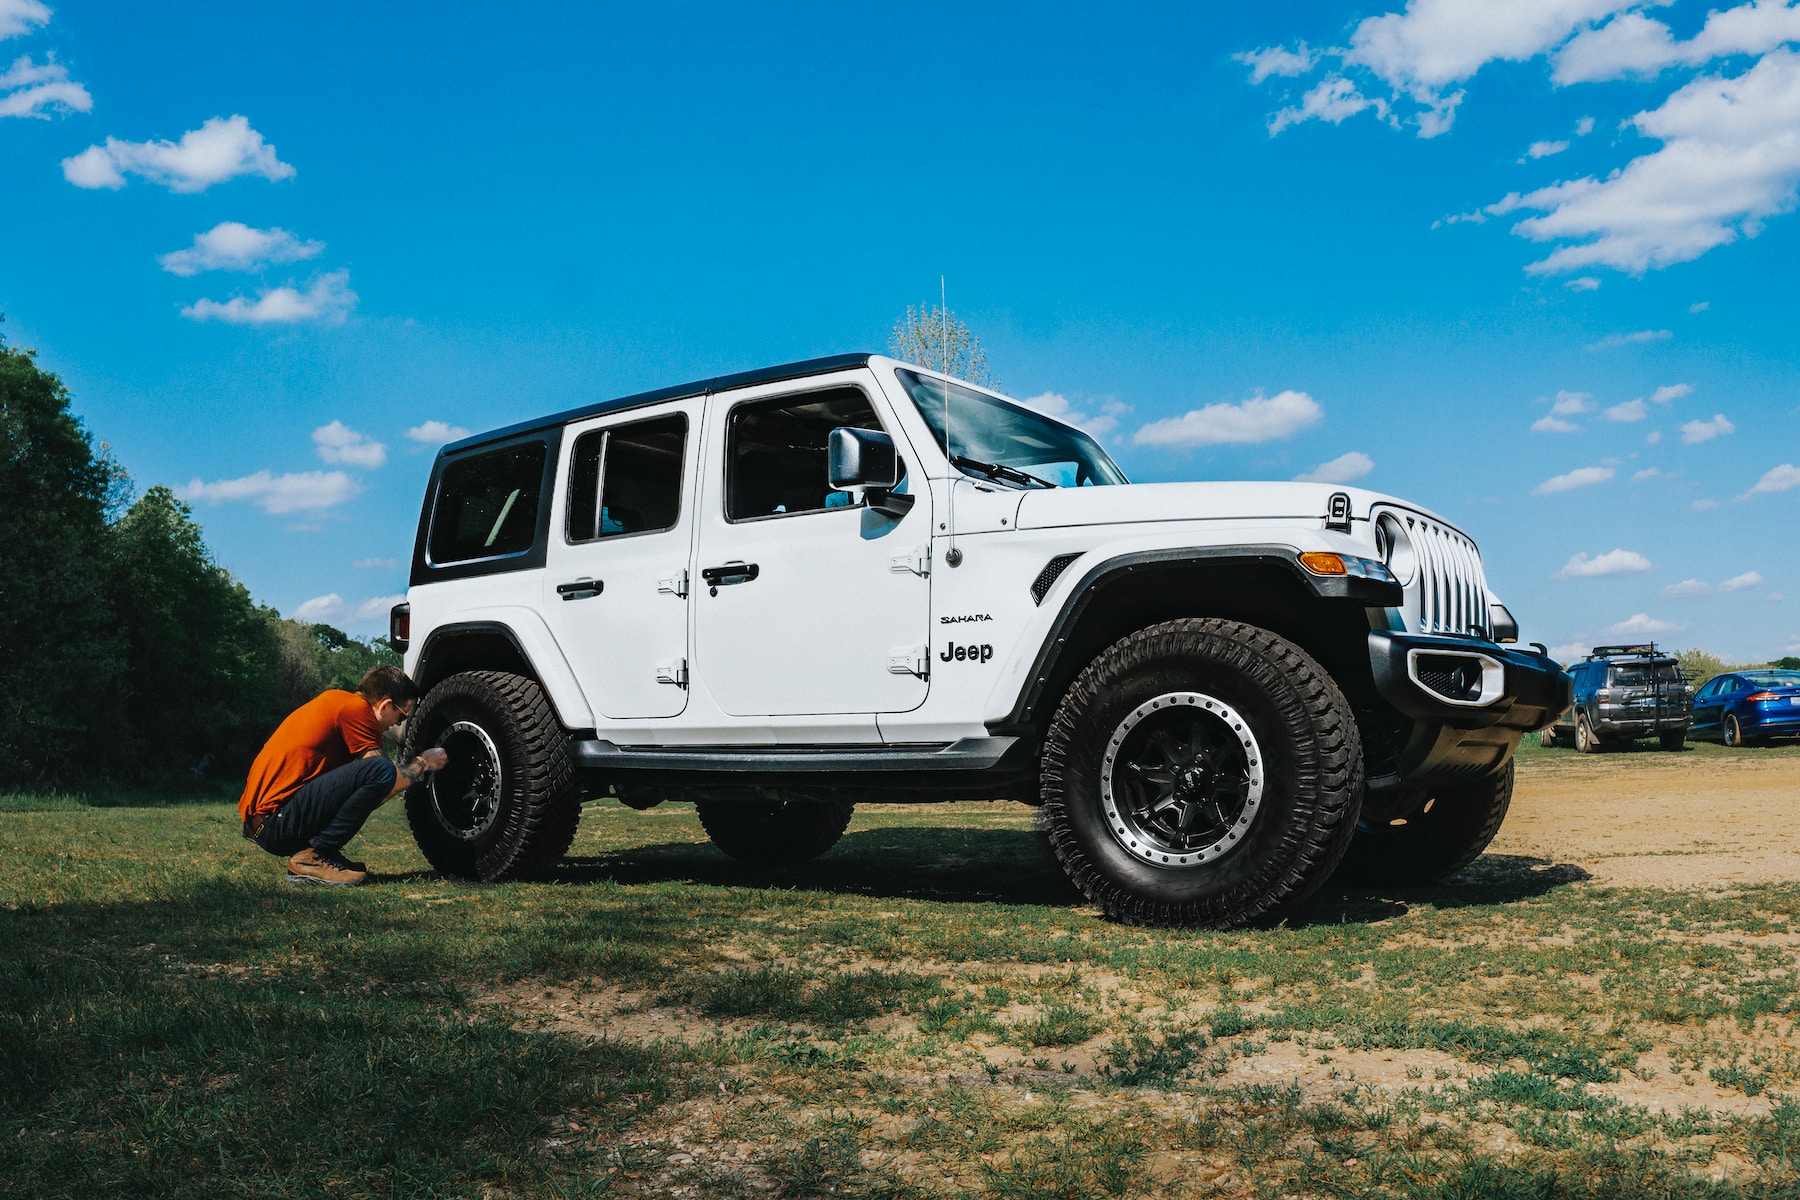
(1011, 866)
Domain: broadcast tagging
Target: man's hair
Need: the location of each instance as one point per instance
(389, 683)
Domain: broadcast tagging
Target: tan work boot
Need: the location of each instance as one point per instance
(329, 868)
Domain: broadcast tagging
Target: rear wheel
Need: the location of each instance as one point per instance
(1673, 741)
(1201, 773)
(506, 805)
(1440, 837)
(1585, 739)
(775, 832)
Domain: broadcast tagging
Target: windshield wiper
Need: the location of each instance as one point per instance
(1000, 472)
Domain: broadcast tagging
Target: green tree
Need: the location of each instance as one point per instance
(59, 647)
(1788, 663)
(198, 691)
(937, 338)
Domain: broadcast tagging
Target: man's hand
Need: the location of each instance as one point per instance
(426, 762)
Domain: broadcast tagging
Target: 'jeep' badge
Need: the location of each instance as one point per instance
(955, 653)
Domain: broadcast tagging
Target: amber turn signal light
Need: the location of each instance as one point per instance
(1320, 563)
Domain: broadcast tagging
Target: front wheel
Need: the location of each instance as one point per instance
(1547, 736)
(1201, 773)
(775, 832)
(506, 805)
(1734, 733)
(1433, 841)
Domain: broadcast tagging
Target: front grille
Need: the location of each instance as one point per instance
(1449, 591)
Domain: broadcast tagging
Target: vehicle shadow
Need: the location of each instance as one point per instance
(1009, 866)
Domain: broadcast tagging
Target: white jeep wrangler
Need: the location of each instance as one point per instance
(783, 593)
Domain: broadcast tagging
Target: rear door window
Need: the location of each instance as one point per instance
(626, 479)
(487, 505)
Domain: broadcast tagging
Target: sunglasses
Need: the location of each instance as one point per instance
(404, 712)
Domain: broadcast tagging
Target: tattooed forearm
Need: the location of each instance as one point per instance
(413, 771)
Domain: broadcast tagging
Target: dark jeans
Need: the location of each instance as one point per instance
(327, 812)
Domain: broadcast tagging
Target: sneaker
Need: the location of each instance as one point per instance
(328, 868)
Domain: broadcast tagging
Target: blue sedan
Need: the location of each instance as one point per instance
(1748, 706)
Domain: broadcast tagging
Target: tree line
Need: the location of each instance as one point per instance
(127, 654)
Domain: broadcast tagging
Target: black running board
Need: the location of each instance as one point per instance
(969, 754)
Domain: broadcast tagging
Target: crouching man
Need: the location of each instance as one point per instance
(322, 774)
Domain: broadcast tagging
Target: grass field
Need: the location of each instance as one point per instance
(928, 1010)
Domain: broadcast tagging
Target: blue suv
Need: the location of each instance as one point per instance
(1623, 693)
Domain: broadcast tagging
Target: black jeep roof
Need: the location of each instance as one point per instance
(700, 387)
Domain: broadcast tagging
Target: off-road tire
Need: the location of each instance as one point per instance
(1311, 760)
(1586, 740)
(539, 801)
(1447, 834)
(775, 833)
(1673, 741)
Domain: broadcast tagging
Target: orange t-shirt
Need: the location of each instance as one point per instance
(321, 735)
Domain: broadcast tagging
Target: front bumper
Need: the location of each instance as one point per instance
(1455, 738)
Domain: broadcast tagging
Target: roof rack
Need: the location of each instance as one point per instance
(1643, 648)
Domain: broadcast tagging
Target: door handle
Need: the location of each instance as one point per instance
(731, 572)
(580, 589)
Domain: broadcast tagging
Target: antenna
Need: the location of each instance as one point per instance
(952, 555)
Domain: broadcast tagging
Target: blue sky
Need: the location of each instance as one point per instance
(1531, 265)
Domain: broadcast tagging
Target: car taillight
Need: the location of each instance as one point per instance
(400, 627)
(1757, 697)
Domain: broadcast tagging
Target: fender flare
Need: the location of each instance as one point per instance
(546, 667)
(1371, 593)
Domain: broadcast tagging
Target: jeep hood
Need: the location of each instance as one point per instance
(1135, 502)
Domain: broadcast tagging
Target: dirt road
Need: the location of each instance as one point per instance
(1649, 819)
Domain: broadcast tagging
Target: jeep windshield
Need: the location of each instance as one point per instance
(1006, 443)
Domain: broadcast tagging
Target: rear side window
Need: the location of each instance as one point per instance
(626, 479)
(777, 452)
(487, 505)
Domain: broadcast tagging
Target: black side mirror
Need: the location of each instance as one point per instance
(866, 458)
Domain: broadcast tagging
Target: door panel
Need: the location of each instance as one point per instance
(615, 592)
(813, 602)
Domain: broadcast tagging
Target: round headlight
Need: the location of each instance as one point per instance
(1396, 548)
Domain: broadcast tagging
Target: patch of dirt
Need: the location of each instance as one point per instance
(1647, 819)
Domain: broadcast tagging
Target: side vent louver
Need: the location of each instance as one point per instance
(1040, 587)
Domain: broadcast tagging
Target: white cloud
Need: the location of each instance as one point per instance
(332, 607)
(1342, 469)
(1687, 589)
(1630, 410)
(1544, 149)
(338, 443)
(1055, 404)
(1277, 60)
(1639, 337)
(234, 246)
(1332, 100)
(1584, 127)
(1653, 437)
(1641, 624)
(1672, 392)
(1695, 432)
(436, 433)
(301, 492)
(1583, 283)
(1551, 423)
(1738, 583)
(1567, 404)
(1259, 419)
(1602, 566)
(18, 17)
(1705, 505)
(371, 564)
(328, 299)
(1569, 651)
(1784, 478)
(1729, 161)
(28, 90)
(1633, 44)
(1699, 307)
(221, 149)
(1579, 478)
(1648, 473)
